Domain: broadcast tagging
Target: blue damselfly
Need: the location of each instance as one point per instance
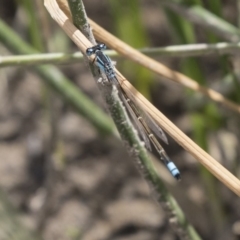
(146, 126)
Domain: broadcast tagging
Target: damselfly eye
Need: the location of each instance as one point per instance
(89, 51)
(102, 46)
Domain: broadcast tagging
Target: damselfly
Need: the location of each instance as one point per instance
(146, 126)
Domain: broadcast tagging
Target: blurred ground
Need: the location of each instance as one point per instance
(68, 182)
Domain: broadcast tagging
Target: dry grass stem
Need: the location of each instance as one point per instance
(210, 163)
(138, 57)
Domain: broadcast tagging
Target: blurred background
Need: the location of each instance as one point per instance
(62, 177)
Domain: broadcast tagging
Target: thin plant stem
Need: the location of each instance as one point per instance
(80, 19)
(186, 50)
(141, 158)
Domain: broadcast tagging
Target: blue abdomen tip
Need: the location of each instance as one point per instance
(174, 170)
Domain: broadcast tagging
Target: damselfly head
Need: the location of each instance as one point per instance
(94, 49)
